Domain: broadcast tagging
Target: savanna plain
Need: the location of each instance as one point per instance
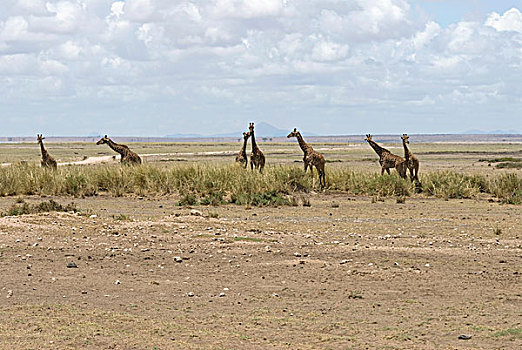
(191, 251)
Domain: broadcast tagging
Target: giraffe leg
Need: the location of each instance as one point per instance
(388, 171)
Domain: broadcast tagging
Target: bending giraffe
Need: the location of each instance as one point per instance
(242, 155)
(412, 163)
(387, 159)
(127, 156)
(311, 158)
(257, 158)
(47, 161)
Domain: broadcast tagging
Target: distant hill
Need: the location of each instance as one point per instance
(492, 132)
(262, 129)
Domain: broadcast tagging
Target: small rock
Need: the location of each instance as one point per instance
(9, 293)
(178, 259)
(190, 294)
(71, 265)
(396, 263)
(275, 295)
(343, 262)
(117, 282)
(93, 216)
(196, 212)
(297, 254)
(465, 337)
(221, 294)
(427, 265)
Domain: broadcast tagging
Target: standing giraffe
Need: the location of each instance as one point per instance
(127, 156)
(242, 155)
(412, 163)
(257, 158)
(47, 161)
(311, 158)
(387, 159)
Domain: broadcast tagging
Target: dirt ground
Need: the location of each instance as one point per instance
(342, 273)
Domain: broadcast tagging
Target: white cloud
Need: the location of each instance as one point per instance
(511, 20)
(271, 55)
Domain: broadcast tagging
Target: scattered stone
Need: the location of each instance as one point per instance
(178, 259)
(117, 282)
(427, 265)
(72, 265)
(275, 295)
(221, 294)
(93, 216)
(396, 263)
(190, 294)
(343, 262)
(195, 212)
(465, 337)
(9, 293)
(297, 254)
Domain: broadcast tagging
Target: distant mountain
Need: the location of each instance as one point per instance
(183, 136)
(262, 129)
(492, 132)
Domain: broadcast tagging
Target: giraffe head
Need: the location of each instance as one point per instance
(293, 133)
(104, 139)
(405, 138)
(246, 135)
(251, 128)
(39, 138)
(368, 138)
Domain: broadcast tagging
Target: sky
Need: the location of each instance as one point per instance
(329, 67)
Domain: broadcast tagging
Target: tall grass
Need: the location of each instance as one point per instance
(214, 184)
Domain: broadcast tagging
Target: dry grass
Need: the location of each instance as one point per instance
(215, 184)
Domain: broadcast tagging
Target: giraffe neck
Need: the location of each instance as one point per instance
(304, 146)
(243, 148)
(116, 148)
(254, 144)
(42, 148)
(378, 149)
(407, 153)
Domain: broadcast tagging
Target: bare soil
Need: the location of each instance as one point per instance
(343, 273)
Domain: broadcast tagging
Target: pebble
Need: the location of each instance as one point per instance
(9, 293)
(71, 265)
(221, 294)
(117, 282)
(464, 336)
(178, 259)
(190, 294)
(343, 261)
(196, 212)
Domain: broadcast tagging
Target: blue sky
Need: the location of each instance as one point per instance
(446, 12)
(158, 67)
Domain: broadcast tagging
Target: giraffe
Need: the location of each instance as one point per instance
(242, 155)
(127, 156)
(412, 162)
(257, 158)
(311, 158)
(47, 161)
(387, 159)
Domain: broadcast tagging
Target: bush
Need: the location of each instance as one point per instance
(21, 208)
